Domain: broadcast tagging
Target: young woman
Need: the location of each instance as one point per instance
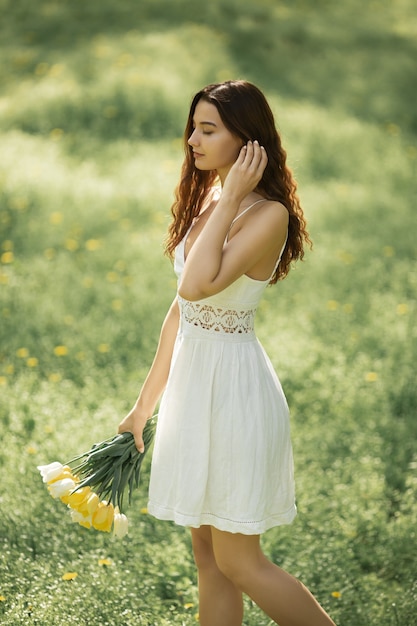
(222, 462)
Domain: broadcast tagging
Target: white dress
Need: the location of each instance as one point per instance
(222, 453)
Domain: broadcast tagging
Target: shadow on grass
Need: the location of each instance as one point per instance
(353, 57)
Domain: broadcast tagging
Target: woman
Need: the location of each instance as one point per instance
(222, 462)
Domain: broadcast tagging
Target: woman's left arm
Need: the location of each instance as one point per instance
(211, 266)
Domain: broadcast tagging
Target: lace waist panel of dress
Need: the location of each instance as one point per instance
(216, 319)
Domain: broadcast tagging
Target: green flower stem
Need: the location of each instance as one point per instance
(113, 465)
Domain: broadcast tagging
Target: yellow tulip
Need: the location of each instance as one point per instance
(81, 519)
(65, 473)
(93, 502)
(74, 500)
(103, 517)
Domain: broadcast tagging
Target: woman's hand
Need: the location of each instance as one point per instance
(247, 171)
(134, 423)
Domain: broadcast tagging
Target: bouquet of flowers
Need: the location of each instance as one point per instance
(93, 484)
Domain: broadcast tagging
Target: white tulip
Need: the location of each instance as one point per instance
(120, 524)
(50, 471)
(61, 487)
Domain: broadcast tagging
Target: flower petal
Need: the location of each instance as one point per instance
(121, 525)
(50, 471)
(61, 488)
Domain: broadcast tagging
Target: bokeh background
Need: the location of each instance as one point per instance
(93, 101)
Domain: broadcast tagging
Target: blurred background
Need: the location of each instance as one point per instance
(93, 101)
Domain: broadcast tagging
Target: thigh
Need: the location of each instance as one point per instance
(235, 553)
(202, 546)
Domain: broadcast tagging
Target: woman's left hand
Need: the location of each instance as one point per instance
(247, 171)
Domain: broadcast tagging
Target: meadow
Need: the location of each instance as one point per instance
(93, 99)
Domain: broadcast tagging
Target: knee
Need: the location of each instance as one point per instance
(237, 570)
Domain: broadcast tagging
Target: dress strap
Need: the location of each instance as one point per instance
(243, 213)
(246, 210)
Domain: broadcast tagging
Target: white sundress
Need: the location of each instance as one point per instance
(222, 453)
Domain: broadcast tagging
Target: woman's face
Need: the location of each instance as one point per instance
(214, 146)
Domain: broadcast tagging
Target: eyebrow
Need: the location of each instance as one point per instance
(206, 123)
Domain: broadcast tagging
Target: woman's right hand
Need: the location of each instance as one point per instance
(134, 423)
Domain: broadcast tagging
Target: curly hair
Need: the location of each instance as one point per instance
(246, 113)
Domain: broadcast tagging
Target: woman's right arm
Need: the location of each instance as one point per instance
(155, 382)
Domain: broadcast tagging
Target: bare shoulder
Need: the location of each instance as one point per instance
(275, 212)
(271, 216)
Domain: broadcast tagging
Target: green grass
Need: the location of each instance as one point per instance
(92, 105)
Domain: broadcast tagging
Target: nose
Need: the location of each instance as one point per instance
(193, 139)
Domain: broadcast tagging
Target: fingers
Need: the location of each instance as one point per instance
(137, 434)
(254, 155)
(139, 443)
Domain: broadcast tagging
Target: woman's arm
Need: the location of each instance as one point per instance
(156, 379)
(211, 266)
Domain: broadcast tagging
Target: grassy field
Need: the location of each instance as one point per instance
(93, 98)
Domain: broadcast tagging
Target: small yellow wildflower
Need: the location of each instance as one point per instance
(93, 244)
(2, 599)
(117, 305)
(3, 380)
(332, 305)
(388, 251)
(371, 377)
(54, 377)
(112, 277)
(32, 361)
(69, 576)
(105, 562)
(60, 350)
(71, 244)
(22, 353)
(32, 450)
(7, 257)
(402, 309)
(189, 605)
(103, 348)
(144, 510)
(56, 218)
(336, 594)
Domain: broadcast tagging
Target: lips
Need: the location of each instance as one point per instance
(197, 155)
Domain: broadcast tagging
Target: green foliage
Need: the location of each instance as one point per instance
(93, 100)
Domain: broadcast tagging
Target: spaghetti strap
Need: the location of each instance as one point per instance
(243, 213)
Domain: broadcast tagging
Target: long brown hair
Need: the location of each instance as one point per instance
(246, 114)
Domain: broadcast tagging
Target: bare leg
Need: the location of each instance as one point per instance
(281, 596)
(220, 601)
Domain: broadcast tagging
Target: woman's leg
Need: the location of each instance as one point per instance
(220, 601)
(281, 596)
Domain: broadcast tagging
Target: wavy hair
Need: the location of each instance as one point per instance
(246, 113)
